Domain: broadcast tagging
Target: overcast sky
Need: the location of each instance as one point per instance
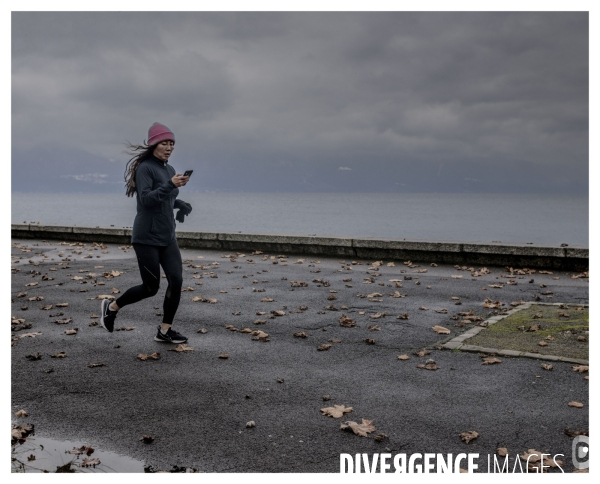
(392, 101)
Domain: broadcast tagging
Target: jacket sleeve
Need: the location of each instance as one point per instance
(179, 203)
(143, 182)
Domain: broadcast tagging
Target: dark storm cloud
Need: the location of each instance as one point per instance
(259, 101)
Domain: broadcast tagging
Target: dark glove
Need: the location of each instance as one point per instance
(185, 209)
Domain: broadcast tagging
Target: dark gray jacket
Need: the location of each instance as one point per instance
(156, 199)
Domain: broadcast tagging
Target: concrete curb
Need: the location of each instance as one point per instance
(457, 343)
(518, 255)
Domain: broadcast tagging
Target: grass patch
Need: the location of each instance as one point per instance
(508, 333)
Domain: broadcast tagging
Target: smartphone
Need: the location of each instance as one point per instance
(188, 172)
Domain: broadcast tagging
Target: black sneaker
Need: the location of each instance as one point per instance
(170, 336)
(107, 316)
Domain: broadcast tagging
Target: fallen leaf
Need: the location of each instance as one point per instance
(441, 330)
(153, 356)
(61, 354)
(88, 450)
(532, 455)
(95, 365)
(580, 368)
(346, 322)
(466, 437)
(300, 334)
(202, 330)
(147, 439)
(422, 353)
(324, 347)
(181, 348)
(374, 327)
(29, 335)
(369, 341)
(502, 451)
(403, 357)
(576, 404)
(542, 343)
(223, 356)
(547, 366)
(104, 296)
(491, 361)
(403, 316)
(21, 413)
(428, 366)
(71, 331)
(360, 429)
(336, 411)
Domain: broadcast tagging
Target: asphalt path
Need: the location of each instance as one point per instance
(196, 405)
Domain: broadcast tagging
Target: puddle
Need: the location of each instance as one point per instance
(40, 454)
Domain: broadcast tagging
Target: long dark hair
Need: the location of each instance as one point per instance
(139, 153)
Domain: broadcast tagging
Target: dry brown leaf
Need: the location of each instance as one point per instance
(428, 366)
(181, 348)
(21, 413)
(300, 334)
(403, 316)
(95, 365)
(71, 331)
(336, 411)
(542, 343)
(61, 354)
(576, 404)
(581, 368)
(491, 361)
(324, 347)
(547, 366)
(267, 299)
(346, 322)
(440, 329)
(374, 327)
(62, 305)
(360, 429)
(403, 357)
(422, 353)
(30, 335)
(224, 356)
(502, 451)
(466, 437)
(145, 357)
(532, 455)
(488, 303)
(104, 296)
(369, 341)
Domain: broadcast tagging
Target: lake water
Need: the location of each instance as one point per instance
(509, 218)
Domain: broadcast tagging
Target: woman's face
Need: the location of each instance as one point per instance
(163, 150)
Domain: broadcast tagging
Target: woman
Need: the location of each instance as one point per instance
(156, 186)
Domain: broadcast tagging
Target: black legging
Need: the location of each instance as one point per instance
(149, 259)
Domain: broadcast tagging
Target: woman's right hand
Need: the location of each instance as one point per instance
(180, 180)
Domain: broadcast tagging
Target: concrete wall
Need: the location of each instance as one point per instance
(549, 257)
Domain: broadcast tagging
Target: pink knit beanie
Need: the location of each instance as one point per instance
(159, 132)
